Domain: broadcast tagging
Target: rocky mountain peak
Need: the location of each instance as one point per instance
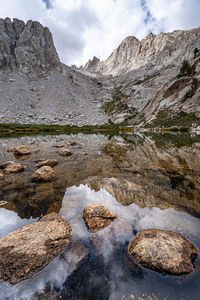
(29, 47)
(158, 50)
(91, 65)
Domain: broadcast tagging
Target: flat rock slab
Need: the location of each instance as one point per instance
(12, 167)
(44, 173)
(48, 162)
(97, 216)
(27, 250)
(163, 251)
(22, 150)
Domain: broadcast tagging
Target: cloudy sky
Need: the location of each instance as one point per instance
(84, 28)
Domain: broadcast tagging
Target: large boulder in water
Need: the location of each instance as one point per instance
(163, 251)
(97, 216)
(27, 250)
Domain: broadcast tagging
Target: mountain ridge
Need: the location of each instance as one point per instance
(139, 79)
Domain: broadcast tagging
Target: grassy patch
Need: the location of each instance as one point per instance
(116, 105)
(16, 130)
(167, 118)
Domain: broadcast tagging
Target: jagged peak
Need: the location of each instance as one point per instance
(20, 51)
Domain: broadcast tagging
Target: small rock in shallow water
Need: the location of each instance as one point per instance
(12, 167)
(44, 173)
(97, 216)
(27, 250)
(6, 164)
(11, 150)
(48, 162)
(65, 152)
(22, 150)
(163, 251)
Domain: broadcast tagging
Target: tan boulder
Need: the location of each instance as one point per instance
(44, 173)
(22, 150)
(27, 250)
(48, 162)
(65, 152)
(97, 216)
(163, 251)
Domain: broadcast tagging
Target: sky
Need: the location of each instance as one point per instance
(85, 28)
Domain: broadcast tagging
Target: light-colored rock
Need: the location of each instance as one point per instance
(44, 173)
(97, 216)
(22, 150)
(13, 167)
(25, 251)
(65, 152)
(163, 251)
(48, 162)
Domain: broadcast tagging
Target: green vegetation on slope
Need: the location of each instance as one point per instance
(167, 118)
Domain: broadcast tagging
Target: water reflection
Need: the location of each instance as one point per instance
(148, 183)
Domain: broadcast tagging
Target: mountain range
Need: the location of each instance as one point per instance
(152, 82)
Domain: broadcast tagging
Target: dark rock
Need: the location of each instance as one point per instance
(163, 251)
(97, 216)
(27, 250)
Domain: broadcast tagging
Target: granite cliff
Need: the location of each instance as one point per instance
(157, 77)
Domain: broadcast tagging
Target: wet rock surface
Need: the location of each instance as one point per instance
(12, 167)
(163, 251)
(29, 249)
(22, 150)
(44, 173)
(48, 162)
(97, 216)
(65, 152)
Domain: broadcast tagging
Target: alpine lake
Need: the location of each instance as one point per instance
(166, 169)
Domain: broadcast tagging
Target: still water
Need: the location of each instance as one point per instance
(164, 169)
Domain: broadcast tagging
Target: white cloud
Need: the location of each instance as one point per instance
(84, 28)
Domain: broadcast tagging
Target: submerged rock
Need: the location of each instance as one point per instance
(22, 150)
(97, 216)
(44, 173)
(29, 249)
(6, 164)
(12, 167)
(65, 152)
(1, 176)
(48, 162)
(163, 251)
